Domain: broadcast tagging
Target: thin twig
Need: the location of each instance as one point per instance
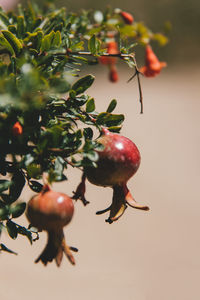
(137, 74)
(140, 90)
(87, 53)
(71, 164)
(122, 56)
(132, 77)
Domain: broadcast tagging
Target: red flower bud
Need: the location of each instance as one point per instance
(17, 129)
(113, 75)
(128, 18)
(152, 64)
(112, 48)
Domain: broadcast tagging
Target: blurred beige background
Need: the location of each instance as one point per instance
(145, 255)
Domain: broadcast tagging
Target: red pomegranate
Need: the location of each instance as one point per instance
(117, 163)
(51, 211)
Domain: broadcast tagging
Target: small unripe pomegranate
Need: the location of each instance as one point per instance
(127, 17)
(152, 64)
(51, 211)
(17, 129)
(117, 163)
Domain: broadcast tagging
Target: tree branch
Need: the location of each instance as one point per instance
(121, 56)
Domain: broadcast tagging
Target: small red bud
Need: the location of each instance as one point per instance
(128, 18)
(17, 129)
(113, 74)
(112, 48)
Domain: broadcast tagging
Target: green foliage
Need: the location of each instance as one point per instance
(40, 60)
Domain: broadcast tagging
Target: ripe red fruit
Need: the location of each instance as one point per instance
(112, 48)
(51, 211)
(152, 64)
(117, 163)
(17, 129)
(128, 18)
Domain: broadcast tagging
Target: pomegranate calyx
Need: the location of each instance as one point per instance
(121, 197)
(131, 201)
(55, 248)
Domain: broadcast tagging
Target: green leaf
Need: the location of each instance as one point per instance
(4, 248)
(114, 120)
(56, 39)
(92, 155)
(109, 120)
(101, 118)
(115, 128)
(59, 164)
(60, 85)
(88, 133)
(90, 105)
(48, 41)
(12, 28)
(18, 182)
(35, 39)
(4, 213)
(23, 231)
(18, 210)
(28, 159)
(35, 186)
(5, 45)
(34, 170)
(4, 185)
(13, 40)
(112, 106)
(20, 26)
(4, 21)
(94, 45)
(30, 17)
(12, 229)
(83, 84)
(1, 228)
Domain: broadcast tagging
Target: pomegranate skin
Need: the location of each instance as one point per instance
(50, 210)
(118, 162)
